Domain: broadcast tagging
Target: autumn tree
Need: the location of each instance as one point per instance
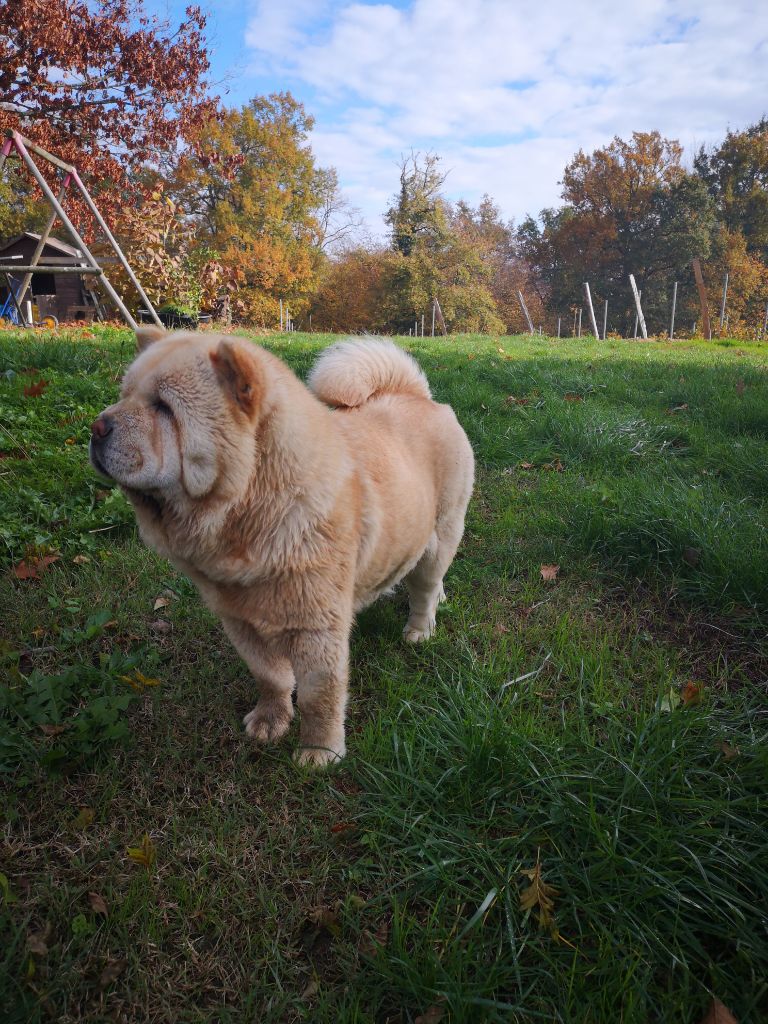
(254, 192)
(736, 175)
(629, 208)
(103, 86)
(432, 259)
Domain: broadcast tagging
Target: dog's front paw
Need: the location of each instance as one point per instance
(317, 757)
(415, 635)
(269, 721)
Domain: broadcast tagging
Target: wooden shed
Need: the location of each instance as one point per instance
(67, 296)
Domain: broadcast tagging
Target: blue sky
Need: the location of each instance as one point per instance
(506, 91)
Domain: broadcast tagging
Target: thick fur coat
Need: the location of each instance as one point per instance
(290, 507)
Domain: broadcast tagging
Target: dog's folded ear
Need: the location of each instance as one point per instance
(147, 334)
(238, 371)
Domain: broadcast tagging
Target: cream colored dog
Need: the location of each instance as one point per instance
(288, 515)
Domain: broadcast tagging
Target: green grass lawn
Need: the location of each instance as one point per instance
(555, 810)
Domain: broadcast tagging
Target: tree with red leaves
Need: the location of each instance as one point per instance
(103, 86)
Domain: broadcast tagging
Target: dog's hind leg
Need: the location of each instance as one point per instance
(425, 581)
(271, 717)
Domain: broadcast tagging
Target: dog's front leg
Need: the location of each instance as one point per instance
(271, 717)
(321, 664)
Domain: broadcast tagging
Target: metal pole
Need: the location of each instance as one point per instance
(674, 307)
(113, 242)
(705, 325)
(639, 308)
(70, 227)
(25, 281)
(558, 327)
(525, 311)
(605, 319)
(12, 293)
(591, 309)
(580, 311)
(722, 304)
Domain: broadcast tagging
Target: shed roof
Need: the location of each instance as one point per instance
(54, 243)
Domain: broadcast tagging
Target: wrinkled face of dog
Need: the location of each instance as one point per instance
(184, 426)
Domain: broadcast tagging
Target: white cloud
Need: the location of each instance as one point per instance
(507, 90)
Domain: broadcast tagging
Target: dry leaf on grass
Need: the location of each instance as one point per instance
(691, 693)
(98, 906)
(83, 819)
(37, 942)
(555, 465)
(145, 855)
(112, 972)
(512, 400)
(81, 559)
(32, 567)
(570, 397)
(433, 1015)
(549, 572)
(527, 465)
(52, 730)
(36, 388)
(160, 602)
(540, 896)
(728, 750)
(718, 1014)
(326, 918)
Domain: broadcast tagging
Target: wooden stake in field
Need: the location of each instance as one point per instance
(422, 325)
(575, 314)
(605, 319)
(525, 311)
(765, 320)
(440, 317)
(722, 304)
(639, 308)
(674, 307)
(433, 317)
(558, 327)
(591, 310)
(580, 312)
(705, 326)
(281, 316)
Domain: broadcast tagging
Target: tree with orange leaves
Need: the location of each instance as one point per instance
(102, 86)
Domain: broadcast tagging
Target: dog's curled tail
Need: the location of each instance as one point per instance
(350, 372)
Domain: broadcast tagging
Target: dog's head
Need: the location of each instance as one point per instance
(186, 422)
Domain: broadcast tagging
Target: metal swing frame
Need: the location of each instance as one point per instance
(15, 143)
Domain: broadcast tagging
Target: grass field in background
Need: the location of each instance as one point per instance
(554, 810)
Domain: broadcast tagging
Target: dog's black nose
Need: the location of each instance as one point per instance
(102, 427)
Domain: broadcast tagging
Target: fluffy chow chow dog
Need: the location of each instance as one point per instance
(290, 507)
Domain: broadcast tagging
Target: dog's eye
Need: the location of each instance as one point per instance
(163, 408)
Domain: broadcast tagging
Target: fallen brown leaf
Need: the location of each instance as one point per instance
(32, 567)
(112, 972)
(527, 465)
(539, 896)
(691, 693)
(511, 400)
(52, 730)
(728, 750)
(81, 559)
(718, 1014)
(549, 572)
(325, 917)
(571, 397)
(37, 942)
(36, 388)
(556, 465)
(98, 906)
(160, 602)
(83, 818)
(433, 1015)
